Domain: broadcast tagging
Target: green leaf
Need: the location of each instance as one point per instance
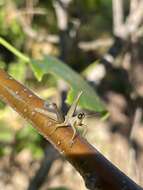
(89, 99)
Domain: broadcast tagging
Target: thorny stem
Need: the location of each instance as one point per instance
(96, 170)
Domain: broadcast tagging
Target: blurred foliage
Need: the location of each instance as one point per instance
(18, 70)
(6, 134)
(28, 137)
(95, 16)
(6, 137)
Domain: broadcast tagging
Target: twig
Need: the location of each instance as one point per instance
(136, 122)
(92, 45)
(132, 22)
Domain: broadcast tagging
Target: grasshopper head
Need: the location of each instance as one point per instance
(81, 116)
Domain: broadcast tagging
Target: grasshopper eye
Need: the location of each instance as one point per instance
(81, 115)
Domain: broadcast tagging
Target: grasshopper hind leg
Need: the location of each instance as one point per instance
(74, 135)
(59, 125)
(65, 124)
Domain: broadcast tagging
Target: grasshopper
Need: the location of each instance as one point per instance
(69, 119)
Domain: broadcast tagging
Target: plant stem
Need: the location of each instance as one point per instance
(20, 55)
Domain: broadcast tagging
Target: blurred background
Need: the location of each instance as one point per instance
(102, 40)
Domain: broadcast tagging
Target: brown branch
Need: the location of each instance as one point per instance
(96, 170)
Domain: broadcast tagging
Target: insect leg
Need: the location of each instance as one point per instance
(74, 132)
(53, 107)
(58, 113)
(85, 130)
(59, 125)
